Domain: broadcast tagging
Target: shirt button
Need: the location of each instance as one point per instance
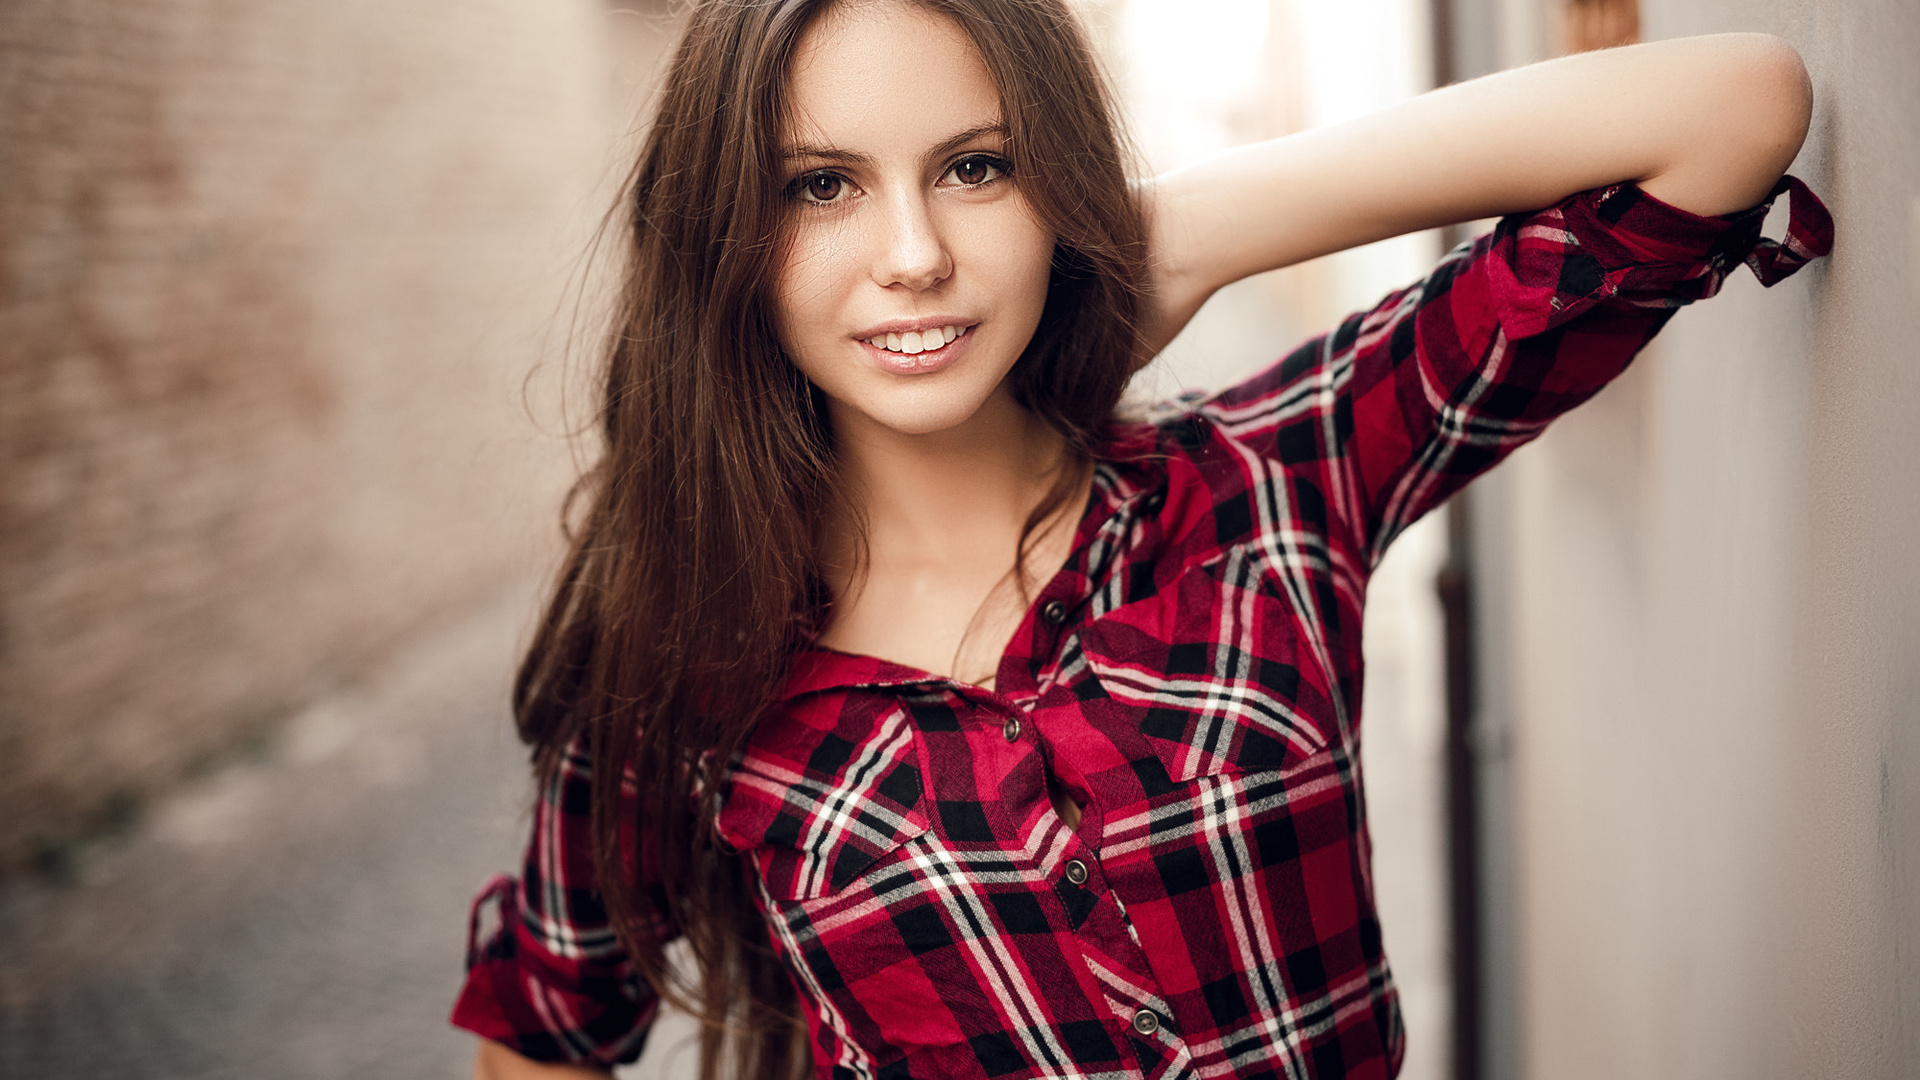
(1077, 872)
(1055, 613)
(1153, 502)
(1146, 1022)
(1012, 730)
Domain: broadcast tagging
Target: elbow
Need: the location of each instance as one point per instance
(1786, 88)
(1755, 101)
(1769, 108)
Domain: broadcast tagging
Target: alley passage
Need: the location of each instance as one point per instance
(295, 915)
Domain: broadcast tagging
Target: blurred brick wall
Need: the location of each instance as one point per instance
(272, 277)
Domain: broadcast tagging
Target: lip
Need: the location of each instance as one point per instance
(901, 326)
(921, 363)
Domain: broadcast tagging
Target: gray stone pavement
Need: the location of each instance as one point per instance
(298, 914)
(301, 913)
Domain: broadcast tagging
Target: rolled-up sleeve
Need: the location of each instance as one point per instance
(1402, 404)
(546, 975)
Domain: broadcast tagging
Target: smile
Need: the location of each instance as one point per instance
(912, 343)
(918, 352)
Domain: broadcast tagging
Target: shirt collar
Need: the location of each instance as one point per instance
(816, 669)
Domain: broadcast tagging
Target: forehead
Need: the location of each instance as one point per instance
(885, 75)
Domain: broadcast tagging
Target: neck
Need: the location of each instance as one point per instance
(952, 497)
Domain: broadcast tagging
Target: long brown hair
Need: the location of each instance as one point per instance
(695, 571)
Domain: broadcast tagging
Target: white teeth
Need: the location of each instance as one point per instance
(914, 342)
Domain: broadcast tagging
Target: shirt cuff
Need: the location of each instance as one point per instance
(544, 1008)
(1621, 244)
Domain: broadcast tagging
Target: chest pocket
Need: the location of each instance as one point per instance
(816, 810)
(1213, 673)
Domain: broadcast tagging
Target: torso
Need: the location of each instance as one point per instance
(924, 871)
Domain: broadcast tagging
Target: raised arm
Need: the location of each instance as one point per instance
(1707, 124)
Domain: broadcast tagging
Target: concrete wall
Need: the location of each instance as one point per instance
(1706, 630)
(271, 279)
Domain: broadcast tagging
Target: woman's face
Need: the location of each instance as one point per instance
(915, 272)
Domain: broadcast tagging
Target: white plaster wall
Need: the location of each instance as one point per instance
(1713, 593)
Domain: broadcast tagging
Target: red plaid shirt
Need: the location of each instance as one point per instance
(1192, 676)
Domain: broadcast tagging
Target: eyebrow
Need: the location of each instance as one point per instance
(854, 157)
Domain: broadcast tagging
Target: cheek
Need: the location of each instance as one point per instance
(813, 274)
(1037, 262)
(1018, 252)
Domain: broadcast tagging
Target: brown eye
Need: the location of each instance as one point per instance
(977, 170)
(820, 187)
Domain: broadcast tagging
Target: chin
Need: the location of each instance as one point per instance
(924, 422)
(927, 413)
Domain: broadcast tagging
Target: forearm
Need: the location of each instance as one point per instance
(496, 1062)
(1707, 124)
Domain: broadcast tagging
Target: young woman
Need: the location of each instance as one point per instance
(958, 725)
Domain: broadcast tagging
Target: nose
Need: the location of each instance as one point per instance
(913, 252)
